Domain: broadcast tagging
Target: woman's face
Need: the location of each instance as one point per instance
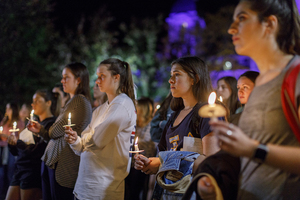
(105, 81)
(248, 34)
(69, 81)
(245, 87)
(39, 105)
(223, 90)
(8, 111)
(24, 112)
(180, 82)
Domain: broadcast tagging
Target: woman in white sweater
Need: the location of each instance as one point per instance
(104, 145)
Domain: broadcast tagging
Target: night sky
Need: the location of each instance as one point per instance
(68, 12)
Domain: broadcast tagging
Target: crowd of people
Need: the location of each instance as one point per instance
(79, 147)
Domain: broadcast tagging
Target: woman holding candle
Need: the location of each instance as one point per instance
(268, 32)
(60, 164)
(190, 86)
(137, 182)
(104, 145)
(7, 159)
(29, 148)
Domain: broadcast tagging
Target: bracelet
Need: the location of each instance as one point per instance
(260, 153)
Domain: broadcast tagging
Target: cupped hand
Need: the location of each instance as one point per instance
(146, 165)
(206, 189)
(12, 140)
(70, 135)
(233, 140)
(34, 127)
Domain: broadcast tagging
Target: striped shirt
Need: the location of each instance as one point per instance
(58, 155)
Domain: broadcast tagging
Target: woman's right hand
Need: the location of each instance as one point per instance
(146, 165)
(34, 127)
(70, 136)
(12, 140)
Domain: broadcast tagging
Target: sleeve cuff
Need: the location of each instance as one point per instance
(76, 145)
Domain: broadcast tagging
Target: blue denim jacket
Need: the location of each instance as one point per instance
(174, 174)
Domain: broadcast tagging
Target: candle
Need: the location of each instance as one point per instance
(221, 98)
(14, 125)
(1, 129)
(69, 119)
(31, 115)
(136, 147)
(212, 110)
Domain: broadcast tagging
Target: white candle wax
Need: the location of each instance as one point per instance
(31, 115)
(15, 125)
(69, 119)
(136, 147)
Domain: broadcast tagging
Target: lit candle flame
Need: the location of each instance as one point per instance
(212, 98)
(14, 125)
(136, 140)
(157, 107)
(136, 146)
(69, 119)
(221, 98)
(1, 129)
(31, 115)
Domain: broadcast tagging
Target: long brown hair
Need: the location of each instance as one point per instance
(116, 66)
(79, 70)
(197, 70)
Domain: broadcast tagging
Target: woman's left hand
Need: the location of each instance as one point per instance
(233, 140)
(70, 136)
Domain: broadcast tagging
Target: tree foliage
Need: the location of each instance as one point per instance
(28, 57)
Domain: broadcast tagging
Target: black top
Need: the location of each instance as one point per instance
(29, 156)
(192, 126)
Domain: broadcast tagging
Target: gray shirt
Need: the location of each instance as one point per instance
(263, 120)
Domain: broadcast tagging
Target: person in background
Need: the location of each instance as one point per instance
(228, 91)
(99, 97)
(268, 32)
(26, 183)
(104, 145)
(137, 182)
(25, 112)
(59, 163)
(245, 85)
(7, 166)
(160, 119)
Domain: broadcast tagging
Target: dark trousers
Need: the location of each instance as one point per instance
(136, 185)
(51, 189)
(6, 173)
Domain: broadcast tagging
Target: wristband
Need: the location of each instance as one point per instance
(260, 153)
